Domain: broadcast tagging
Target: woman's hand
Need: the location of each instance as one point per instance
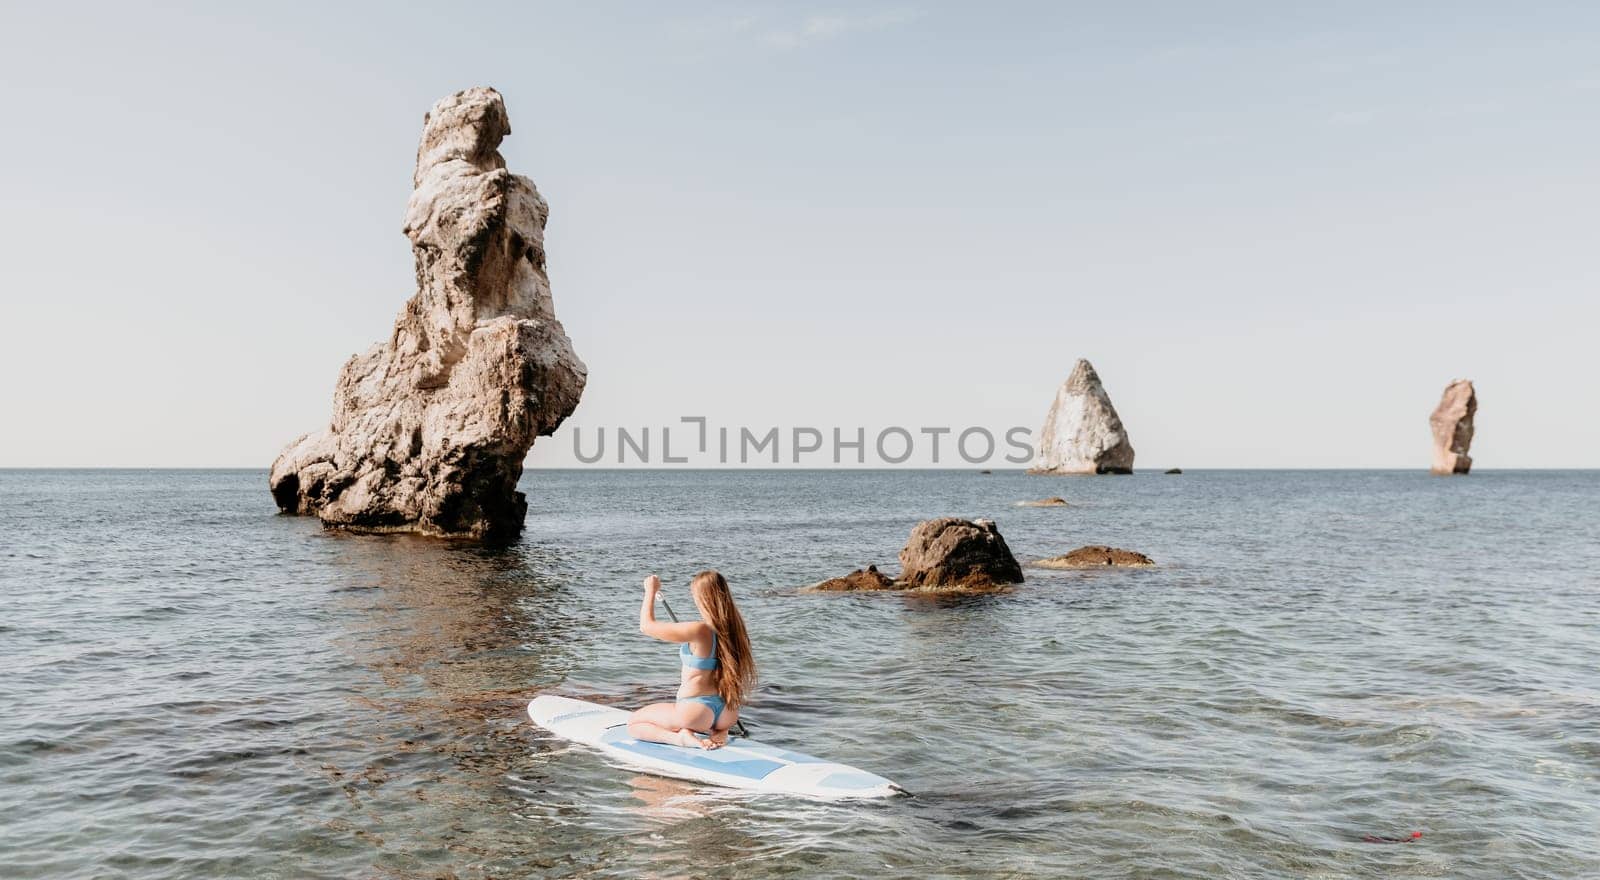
(655, 629)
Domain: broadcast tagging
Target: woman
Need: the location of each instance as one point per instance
(718, 670)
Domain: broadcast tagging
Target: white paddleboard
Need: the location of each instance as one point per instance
(742, 763)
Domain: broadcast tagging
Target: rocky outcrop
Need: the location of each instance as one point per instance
(1452, 428)
(1170, 471)
(430, 427)
(1097, 556)
(1044, 502)
(957, 553)
(1082, 433)
(868, 578)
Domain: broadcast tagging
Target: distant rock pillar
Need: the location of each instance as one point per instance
(1452, 428)
(1082, 433)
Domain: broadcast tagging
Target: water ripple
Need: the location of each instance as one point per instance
(199, 688)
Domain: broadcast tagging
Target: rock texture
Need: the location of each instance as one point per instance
(1082, 433)
(430, 427)
(1097, 556)
(959, 553)
(1452, 428)
(860, 579)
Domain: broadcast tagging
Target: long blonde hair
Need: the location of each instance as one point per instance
(736, 666)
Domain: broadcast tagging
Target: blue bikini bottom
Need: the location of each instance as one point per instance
(710, 701)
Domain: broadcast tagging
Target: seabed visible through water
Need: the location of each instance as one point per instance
(197, 687)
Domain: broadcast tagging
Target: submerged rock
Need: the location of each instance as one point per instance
(1452, 428)
(1097, 556)
(430, 427)
(860, 579)
(1082, 433)
(1044, 502)
(957, 553)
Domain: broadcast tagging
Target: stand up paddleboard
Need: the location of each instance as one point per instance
(742, 763)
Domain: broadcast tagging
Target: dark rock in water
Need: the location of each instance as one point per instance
(1097, 556)
(941, 554)
(957, 553)
(1173, 471)
(1044, 502)
(431, 425)
(985, 472)
(1452, 428)
(860, 579)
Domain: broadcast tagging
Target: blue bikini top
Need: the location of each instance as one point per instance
(693, 662)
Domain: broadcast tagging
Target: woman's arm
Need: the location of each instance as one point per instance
(656, 629)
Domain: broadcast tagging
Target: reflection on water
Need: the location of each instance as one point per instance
(199, 688)
(669, 800)
(446, 628)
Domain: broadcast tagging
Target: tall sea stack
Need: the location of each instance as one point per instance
(1452, 428)
(1082, 433)
(430, 427)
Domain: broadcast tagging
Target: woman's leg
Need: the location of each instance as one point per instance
(725, 722)
(670, 723)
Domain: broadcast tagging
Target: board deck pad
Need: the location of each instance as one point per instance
(742, 763)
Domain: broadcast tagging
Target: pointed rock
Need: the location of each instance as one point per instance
(1452, 428)
(430, 427)
(1082, 433)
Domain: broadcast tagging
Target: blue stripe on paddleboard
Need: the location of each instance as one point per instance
(784, 754)
(719, 761)
(581, 712)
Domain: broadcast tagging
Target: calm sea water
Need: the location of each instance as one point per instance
(196, 687)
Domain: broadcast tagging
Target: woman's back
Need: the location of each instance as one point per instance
(699, 669)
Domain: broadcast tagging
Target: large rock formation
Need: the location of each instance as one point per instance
(430, 427)
(1452, 428)
(952, 552)
(1082, 433)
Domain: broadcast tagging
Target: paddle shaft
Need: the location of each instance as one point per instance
(739, 724)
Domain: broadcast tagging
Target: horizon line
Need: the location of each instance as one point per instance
(1158, 471)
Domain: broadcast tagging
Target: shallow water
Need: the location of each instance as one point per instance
(199, 688)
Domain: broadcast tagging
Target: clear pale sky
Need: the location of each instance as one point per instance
(1278, 230)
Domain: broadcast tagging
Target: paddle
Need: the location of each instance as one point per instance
(738, 724)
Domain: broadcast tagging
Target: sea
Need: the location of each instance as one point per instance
(1321, 666)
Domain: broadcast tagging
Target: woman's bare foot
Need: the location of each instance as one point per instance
(717, 740)
(688, 740)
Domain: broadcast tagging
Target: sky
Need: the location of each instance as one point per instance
(1277, 230)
